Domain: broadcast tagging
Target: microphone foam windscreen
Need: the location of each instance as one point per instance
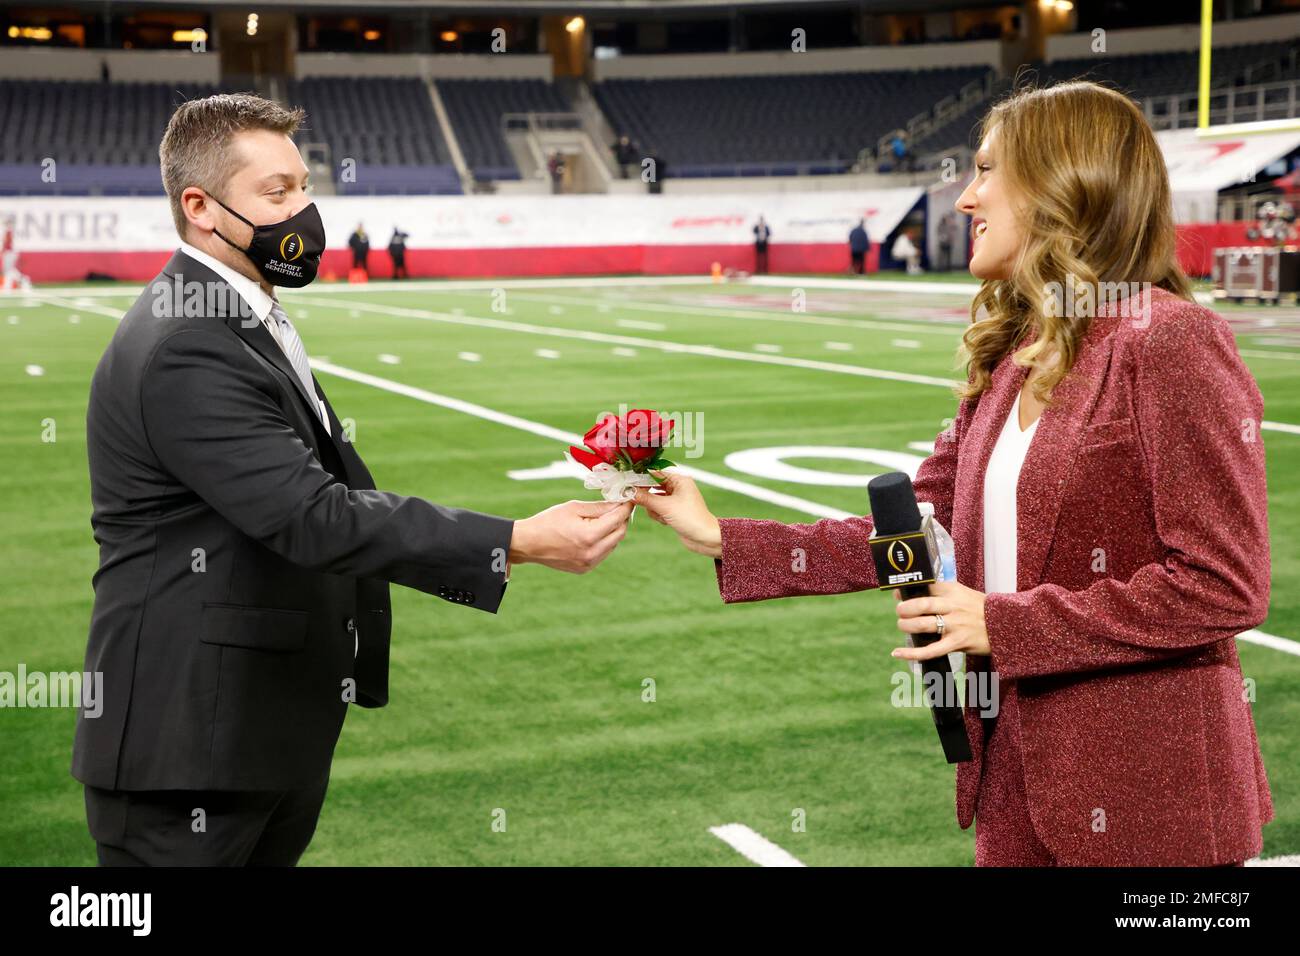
(893, 503)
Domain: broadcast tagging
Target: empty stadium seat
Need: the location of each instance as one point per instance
(475, 108)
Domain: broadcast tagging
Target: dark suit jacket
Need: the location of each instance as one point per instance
(1130, 690)
(244, 555)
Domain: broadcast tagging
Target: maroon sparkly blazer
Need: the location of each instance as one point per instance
(1124, 658)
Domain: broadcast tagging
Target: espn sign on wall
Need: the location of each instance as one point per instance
(65, 239)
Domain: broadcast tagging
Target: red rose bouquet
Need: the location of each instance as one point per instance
(622, 450)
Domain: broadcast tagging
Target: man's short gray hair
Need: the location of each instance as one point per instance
(196, 150)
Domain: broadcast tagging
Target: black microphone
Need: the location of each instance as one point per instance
(906, 555)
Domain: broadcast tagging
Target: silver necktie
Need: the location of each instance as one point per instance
(297, 354)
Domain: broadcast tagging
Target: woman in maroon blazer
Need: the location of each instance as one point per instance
(1128, 538)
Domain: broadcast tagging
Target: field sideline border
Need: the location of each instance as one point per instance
(583, 282)
(430, 315)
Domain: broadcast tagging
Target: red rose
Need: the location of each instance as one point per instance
(603, 438)
(644, 434)
(630, 440)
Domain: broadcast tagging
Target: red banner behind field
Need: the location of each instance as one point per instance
(69, 239)
(65, 239)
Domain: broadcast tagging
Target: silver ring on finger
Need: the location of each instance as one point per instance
(938, 624)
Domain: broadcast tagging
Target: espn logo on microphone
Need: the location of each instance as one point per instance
(903, 559)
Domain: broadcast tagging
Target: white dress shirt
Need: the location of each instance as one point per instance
(1000, 480)
(248, 289)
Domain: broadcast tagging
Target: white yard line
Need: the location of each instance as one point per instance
(1283, 644)
(1257, 353)
(71, 306)
(950, 329)
(708, 351)
(758, 849)
(896, 285)
(610, 338)
(753, 846)
(418, 285)
(626, 340)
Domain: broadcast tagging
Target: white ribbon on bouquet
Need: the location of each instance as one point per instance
(616, 485)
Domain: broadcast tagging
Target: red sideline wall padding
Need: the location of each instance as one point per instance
(1196, 244)
(488, 263)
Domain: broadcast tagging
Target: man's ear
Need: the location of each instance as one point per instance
(198, 211)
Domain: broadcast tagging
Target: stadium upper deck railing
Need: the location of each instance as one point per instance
(1237, 104)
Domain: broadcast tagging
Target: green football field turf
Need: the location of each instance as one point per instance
(763, 712)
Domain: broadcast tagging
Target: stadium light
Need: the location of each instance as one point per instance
(448, 36)
(251, 26)
(189, 36)
(371, 34)
(575, 25)
(31, 33)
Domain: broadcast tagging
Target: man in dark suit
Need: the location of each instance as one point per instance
(397, 252)
(859, 244)
(241, 602)
(762, 233)
(359, 243)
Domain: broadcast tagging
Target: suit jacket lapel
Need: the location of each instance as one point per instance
(1047, 464)
(255, 333)
(1055, 444)
(245, 324)
(990, 416)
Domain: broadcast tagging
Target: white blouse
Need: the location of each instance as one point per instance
(1000, 502)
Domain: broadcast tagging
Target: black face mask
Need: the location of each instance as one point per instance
(286, 253)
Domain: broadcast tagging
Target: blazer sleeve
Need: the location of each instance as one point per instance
(764, 559)
(214, 422)
(1198, 414)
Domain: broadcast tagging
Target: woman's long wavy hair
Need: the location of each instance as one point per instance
(1082, 163)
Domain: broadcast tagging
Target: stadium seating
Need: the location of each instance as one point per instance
(102, 137)
(475, 108)
(385, 125)
(1140, 75)
(751, 125)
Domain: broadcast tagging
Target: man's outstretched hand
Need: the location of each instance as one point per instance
(574, 536)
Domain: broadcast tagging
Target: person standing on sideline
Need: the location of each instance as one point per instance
(858, 246)
(397, 252)
(359, 243)
(762, 233)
